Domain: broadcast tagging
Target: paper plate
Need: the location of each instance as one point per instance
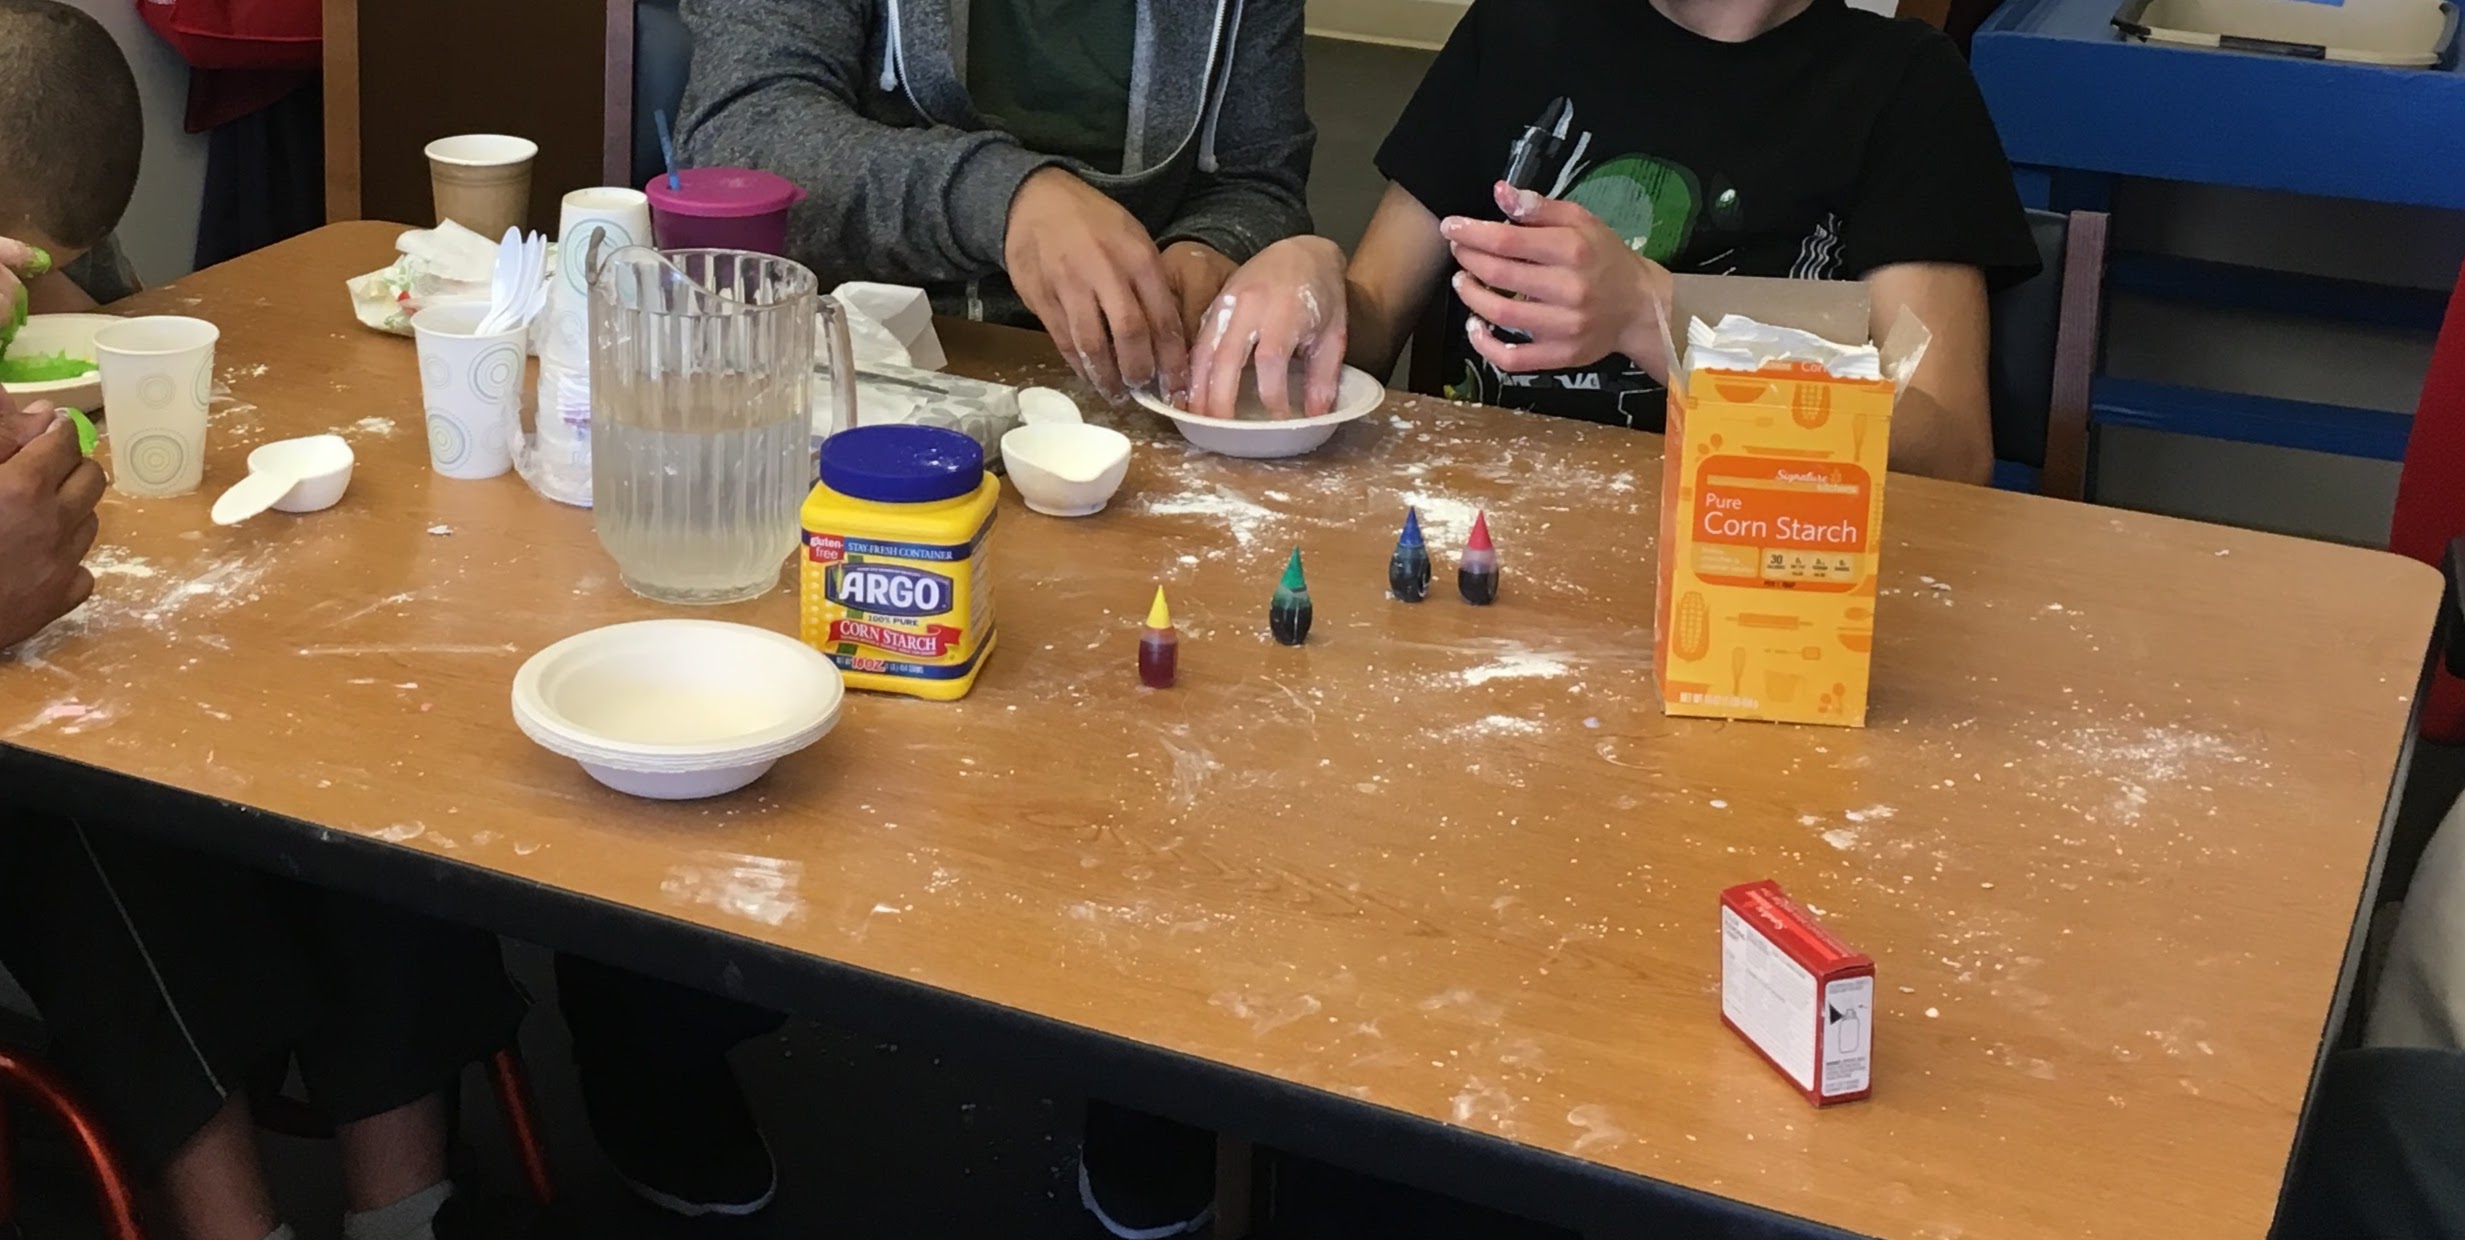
(1253, 432)
(677, 709)
(71, 334)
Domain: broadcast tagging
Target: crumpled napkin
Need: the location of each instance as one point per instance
(1740, 343)
(899, 360)
(435, 266)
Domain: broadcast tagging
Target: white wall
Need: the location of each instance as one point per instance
(160, 230)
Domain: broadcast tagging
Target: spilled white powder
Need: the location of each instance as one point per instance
(1516, 665)
(367, 426)
(1446, 523)
(117, 562)
(763, 889)
(1494, 725)
(1249, 522)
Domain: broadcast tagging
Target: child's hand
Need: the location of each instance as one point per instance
(48, 491)
(1088, 270)
(1561, 277)
(19, 263)
(1288, 302)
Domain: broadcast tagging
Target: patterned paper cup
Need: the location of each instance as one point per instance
(157, 375)
(471, 386)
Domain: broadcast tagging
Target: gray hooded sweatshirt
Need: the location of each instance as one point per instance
(863, 104)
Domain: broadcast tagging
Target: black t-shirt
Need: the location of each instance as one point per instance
(1834, 144)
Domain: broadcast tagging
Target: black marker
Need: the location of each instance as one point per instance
(1528, 160)
(1539, 146)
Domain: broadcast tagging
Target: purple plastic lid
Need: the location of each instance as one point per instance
(723, 193)
(902, 464)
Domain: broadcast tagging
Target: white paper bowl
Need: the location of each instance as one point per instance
(1252, 432)
(1066, 469)
(677, 709)
(72, 334)
(322, 463)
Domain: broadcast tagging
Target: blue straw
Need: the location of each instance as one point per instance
(667, 147)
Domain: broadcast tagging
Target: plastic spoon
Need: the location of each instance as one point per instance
(506, 293)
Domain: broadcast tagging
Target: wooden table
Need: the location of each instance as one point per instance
(1432, 896)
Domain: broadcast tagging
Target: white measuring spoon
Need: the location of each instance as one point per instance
(253, 494)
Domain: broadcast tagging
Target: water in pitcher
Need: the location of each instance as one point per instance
(702, 515)
(701, 436)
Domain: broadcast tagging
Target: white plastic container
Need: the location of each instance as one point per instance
(677, 710)
(1253, 432)
(1066, 469)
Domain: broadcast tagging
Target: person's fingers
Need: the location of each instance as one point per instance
(1534, 211)
(1273, 362)
(1132, 340)
(1537, 319)
(1222, 397)
(1506, 357)
(26, 260)
(1091, 351)
(1164, 318)
(46, 461)
(79, 538)
(80, 588)
(1549, 246)
(1206, 340)
(1326, 371)
(13, 304)
(84, 487)
(1555, 285)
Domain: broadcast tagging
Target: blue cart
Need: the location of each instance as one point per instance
(2079, 105)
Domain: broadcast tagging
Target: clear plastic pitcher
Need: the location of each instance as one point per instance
(702, 445)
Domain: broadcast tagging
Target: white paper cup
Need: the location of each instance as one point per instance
(157, 375)
(471, 387)
(620, 217)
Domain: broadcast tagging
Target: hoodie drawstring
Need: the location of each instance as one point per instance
(890, 46)
(1217, 91)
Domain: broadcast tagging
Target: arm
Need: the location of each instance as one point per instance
(1394, 274)
(1942, 427)
(778, 84)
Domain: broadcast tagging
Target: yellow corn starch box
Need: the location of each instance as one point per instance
(896, 573)
(1772, 511)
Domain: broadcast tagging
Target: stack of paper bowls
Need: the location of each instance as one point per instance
(676, 710)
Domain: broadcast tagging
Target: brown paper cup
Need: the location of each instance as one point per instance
(482, 181)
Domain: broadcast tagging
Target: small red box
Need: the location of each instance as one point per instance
(1801, 997)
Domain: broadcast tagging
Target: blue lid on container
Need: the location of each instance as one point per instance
(902, 464)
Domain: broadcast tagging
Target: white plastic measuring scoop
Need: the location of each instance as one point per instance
(293, 475)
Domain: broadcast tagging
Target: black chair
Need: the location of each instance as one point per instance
(2043, 355)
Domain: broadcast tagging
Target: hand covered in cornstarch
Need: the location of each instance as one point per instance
(1557, 274)
(1285, 305)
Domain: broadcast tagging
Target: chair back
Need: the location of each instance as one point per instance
(2042, 357)
(662, 55)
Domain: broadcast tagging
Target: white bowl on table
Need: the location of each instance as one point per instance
(1257, 434)
(677, 710)
(68, 334)
(1066, 469)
